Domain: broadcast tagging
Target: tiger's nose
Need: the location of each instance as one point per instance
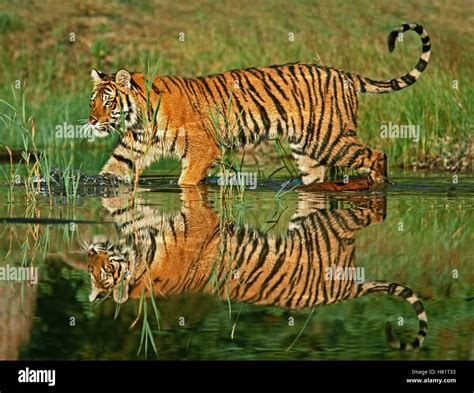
(92, 120)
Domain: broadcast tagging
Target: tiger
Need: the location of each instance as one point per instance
(312, 107)
(195, 251)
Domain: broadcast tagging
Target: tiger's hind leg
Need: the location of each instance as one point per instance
(351, 153)
(311, 170)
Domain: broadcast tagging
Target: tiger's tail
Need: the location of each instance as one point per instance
(367, 85)
(408, 295)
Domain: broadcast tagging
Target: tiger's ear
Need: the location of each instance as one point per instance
(122, 290)
(97, 76)
(123, 79)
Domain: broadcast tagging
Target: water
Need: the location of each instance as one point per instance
(240, 280)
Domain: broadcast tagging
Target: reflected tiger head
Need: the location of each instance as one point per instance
(112, 97)
(109, 270)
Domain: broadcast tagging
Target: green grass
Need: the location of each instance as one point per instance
(55, 83)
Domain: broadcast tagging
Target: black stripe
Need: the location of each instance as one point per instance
(255, 245)
(184, 83)
(299, 272)
(203, 93)
(163, 80)
(137, 88)
(127, 101)
(322, 108)
(241, 116)
(151, 252)
(317, 98)
(394, 85)
(241, 247)
(185, 224)
(294, 90)
(300, 104)
(362, 84)
(423, 325)
(418, 306)
(353, 104)
(276, 101)
(280, 90)
(223, 84)
(296, 273)
(173, 81)
(274, 287)
(419, 29)
(341, 153)
(204, 82)
(121, 158)
(173, 144)
(408, 79)
(264, 115)
(125, 146)
(190, 83)
(319, 222)
(406, 293)
(327, 134)
(155, 89)
(309, 130)
(421, 65)
(119, 212)
(296, 84)
(345, 85)
(251, 87)
(222, 97)
(240, 126)
(275, 270)
(308, 245)
(330, 130)
(257, 131)
(331, 148)
(186, 144)
(254, 128)
(262, 257)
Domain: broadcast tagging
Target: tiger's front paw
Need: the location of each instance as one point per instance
(376, 181)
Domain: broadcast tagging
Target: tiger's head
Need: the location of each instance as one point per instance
(112, 98)
(109, 270)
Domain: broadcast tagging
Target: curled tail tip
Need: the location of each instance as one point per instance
(392, 37)
(395, 343)
(386, 86)
(408, 295)
(391, 40)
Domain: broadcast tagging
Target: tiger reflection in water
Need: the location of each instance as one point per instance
(193, 251)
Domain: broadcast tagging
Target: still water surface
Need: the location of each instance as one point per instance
(258, 279)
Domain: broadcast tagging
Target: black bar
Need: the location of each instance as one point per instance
(240, 376)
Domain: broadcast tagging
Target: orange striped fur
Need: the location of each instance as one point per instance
(313, 107)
